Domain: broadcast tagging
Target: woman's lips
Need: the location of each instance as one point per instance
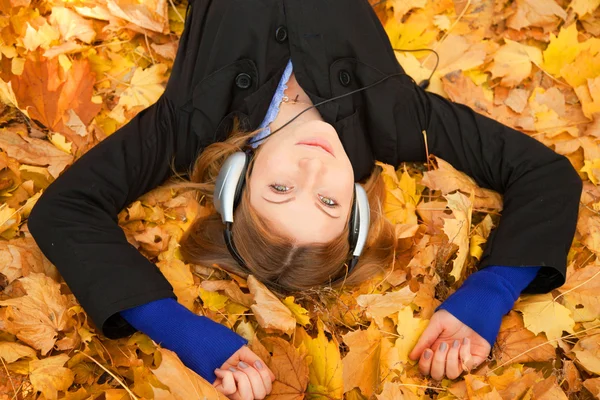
(318, 142)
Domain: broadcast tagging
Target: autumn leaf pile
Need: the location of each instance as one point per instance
(73, 72)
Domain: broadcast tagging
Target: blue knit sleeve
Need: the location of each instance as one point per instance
(202, 344)
(486, 296)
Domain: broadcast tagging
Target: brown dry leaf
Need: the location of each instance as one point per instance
(37, 317)
(290, 368)
(49, 375)
(396, 391)
(361, 364)
(593, 385)
(545, 14)
(513, 62)
(269, 311)
(447, 179)
(33, 151)
(548, 390)
(380, 305)
(517, 344)
(183, 383)
(11, 352)
(21, 257)
(587, 351)
(580, 293)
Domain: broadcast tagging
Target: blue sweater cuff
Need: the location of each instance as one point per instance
(202, 344)
(486, 296)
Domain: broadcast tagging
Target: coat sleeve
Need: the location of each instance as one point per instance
(75, 220)
(541, 189)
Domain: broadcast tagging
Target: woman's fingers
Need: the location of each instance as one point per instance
(453, 368)
(438, 365)
(256, 380)
(425, 362)
(465, 355)
(244, 387)
(227, 385)
(266, 374)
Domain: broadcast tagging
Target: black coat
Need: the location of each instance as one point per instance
(230, 59)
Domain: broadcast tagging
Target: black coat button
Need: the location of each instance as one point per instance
(345, 77)
(243, 80)
(281, 34)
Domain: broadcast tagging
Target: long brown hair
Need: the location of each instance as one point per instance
(272, 258)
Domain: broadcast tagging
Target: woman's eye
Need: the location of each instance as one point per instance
(280, 188)
(329, 202)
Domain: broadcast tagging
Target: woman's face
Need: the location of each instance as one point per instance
(302, 181)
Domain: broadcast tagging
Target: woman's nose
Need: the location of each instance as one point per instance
(312, 165)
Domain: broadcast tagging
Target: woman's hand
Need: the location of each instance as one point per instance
(464, 348)
(244, 376)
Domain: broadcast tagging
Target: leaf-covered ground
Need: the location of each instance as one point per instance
(72, 72)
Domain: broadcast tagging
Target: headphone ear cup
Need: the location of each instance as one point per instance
(360, 220)
(229, 185)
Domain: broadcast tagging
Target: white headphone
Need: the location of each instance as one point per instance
(227, 194)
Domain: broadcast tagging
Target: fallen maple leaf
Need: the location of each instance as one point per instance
(37, 317)
(11, 352)
(361, 364)
(457, 229)
(183, 383)
(269, 311)
(49, 376)
(580, 293)
(33, 151)
(587, 351)
(290, 369)
(517, 344)
(542, 314)
(447, 179)
(378, 306)
(325, 369)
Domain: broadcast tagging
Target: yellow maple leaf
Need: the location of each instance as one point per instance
(592, 169)
(586, 66)
(542, 314)
(410, 329)
(513, 62)
(379, 306)
(457, 229)
(562, 50)
(583, 7)
(299, 312)
(213, 300)
(413, 34)
(49, 375)
(325, 368)
(61, 142)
